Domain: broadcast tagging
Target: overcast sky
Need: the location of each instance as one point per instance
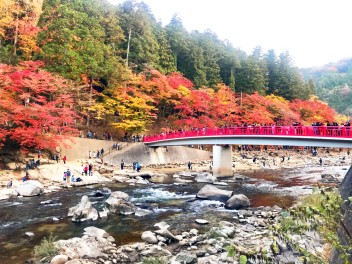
(315, 32)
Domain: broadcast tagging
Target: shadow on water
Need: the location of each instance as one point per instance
(174, 204)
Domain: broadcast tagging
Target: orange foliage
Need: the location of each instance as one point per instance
(312, 110)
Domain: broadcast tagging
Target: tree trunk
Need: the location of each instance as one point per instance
(128, 46)
(15, 39)
(90, 100)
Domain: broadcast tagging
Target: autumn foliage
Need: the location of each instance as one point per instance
(36, 110)
(153, 101)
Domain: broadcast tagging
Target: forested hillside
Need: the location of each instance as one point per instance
(119, 68)
(334, 84)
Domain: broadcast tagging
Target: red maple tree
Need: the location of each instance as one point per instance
(36, 110)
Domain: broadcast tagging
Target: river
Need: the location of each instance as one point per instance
(175, 204)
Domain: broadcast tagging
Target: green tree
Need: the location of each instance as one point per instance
(166, 63)
(138, 24)
(79, 40)
(179, 40)
(76, 41)
(251, 77)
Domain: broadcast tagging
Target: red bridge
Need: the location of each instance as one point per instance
(323, 136)
(222, 138)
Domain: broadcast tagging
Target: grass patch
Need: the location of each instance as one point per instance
(46, 249)
(154, 260)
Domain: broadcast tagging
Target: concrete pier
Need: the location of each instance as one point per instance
(222, 161)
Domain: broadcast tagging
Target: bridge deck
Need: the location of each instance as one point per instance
(284, 135)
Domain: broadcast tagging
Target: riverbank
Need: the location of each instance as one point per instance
(50, 173)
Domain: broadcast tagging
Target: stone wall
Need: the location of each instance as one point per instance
(161, 155)
(78, 148)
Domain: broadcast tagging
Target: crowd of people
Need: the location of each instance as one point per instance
(317, 128)
(93, 135)
(136, 166)
(96, 154)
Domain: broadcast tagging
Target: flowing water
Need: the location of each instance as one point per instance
(174, 204)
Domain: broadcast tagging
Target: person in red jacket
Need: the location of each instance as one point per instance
(64, 159)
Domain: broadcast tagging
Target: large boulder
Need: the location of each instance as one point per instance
(345, 186)
(118, 203)
(205, 177)
(149, 237)
(120, 195)
(237, 201)
(83, 211)
(30, 188)
(94, 244)
(210, 192)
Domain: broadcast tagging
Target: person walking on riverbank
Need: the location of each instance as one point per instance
(85, 170)
(138, 166)
(122, 164)
(189, 165)
(68, 175)
(321, 162)
(90, 169)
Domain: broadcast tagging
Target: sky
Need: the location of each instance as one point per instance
(313, 32)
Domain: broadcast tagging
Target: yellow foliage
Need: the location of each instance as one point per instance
(184, 90)
(341, 119)
(277, 98)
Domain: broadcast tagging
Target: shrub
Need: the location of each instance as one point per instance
(46, 249)
(154, 260)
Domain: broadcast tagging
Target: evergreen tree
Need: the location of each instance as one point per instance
(251, 77)
(138, 24)
(76, 40)
(166, 61)
(179, 40)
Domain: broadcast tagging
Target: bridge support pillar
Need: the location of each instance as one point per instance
(222, 161)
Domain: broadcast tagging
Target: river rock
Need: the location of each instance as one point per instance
(166, 233)
(120, 195)
(237, 201)
(186, 257)
(93, 231)
(59, 259)
(162, 225)
(142, 212)
(30, 188)
(142, 181)
(104, 213)
(201, 221)
(29, 234)
(83, 211)
(179, 180)
(149, 237)
(205, 177)
(120, 178)
(210, 192)
(185, 174)
(118, 203)
(93, 245)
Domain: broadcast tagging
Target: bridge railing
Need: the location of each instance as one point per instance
(311, 131)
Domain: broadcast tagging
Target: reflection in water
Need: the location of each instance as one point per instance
(174, 204)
